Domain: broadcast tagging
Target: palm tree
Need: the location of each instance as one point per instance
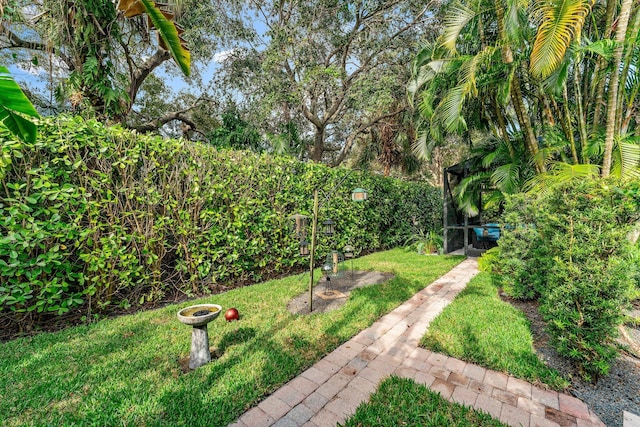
(531, 78)
(612, 130)
(483, 72)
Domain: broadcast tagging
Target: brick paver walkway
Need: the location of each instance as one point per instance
(330, 391)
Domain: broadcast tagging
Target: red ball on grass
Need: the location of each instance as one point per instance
(232, 314)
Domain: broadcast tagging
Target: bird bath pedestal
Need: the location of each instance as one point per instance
(198, 316)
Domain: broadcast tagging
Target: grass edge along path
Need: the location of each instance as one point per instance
(479, 327)
(126, 370)
(403, 402)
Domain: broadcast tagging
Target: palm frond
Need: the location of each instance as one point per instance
(507, 178)
(469, 67)
(490, 158)
(504, 88)
(595, 146)
(424, 56)
(279, 144)
(555, 82)
(632, 83)
(458, 17)
(603, 48)
(425, 107)
(512, 24)
(467, 193)
(629, 159)
(544, 155)
(492, 199)
(410, 163)
(560, 173)
(441, 65)
(561, 22)
(467, 74)
(424, 75)
(449, 111)
(424, 144)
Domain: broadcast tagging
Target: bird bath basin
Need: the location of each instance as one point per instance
(198, 316)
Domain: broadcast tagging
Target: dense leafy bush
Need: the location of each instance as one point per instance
(94, 217)
(489, 260)
(635, 258)
(522, 258)
(575, 256)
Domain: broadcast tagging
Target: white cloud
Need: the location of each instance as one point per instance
(220, 57)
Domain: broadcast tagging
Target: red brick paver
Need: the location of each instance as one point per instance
(514, 416)
(573, 406)
(330, 391)
(489, 405)
(274, 407)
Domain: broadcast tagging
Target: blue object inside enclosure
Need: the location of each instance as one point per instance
(488, 233)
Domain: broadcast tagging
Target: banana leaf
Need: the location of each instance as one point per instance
(13, 103)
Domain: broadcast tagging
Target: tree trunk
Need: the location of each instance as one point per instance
(525, 124)
(582, 123)
(548, 114)
(570, 137)
(138, 77)
(318, 145)
(621, 31)
(601, 65)
(628, 62)
(502, 126)
(516, 91)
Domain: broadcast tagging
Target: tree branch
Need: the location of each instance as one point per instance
(15, 42)
(160, 121)
(143, 72)
(311, 117)
(352, 138)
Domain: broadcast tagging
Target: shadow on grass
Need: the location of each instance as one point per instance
(239, 336)
(277, 363)
(212, 397)
(94, 367)
(486, 333)
(126, 370)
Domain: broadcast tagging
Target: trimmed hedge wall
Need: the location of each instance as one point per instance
(94, 217)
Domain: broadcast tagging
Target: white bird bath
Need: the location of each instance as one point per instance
(198, 316)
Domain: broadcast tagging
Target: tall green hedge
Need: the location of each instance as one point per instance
(93, 217)
(570, 249)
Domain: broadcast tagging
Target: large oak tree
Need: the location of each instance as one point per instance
(335, 68)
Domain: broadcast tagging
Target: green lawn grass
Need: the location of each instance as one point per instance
(126, 370)
(403, 402)
(479, 327)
